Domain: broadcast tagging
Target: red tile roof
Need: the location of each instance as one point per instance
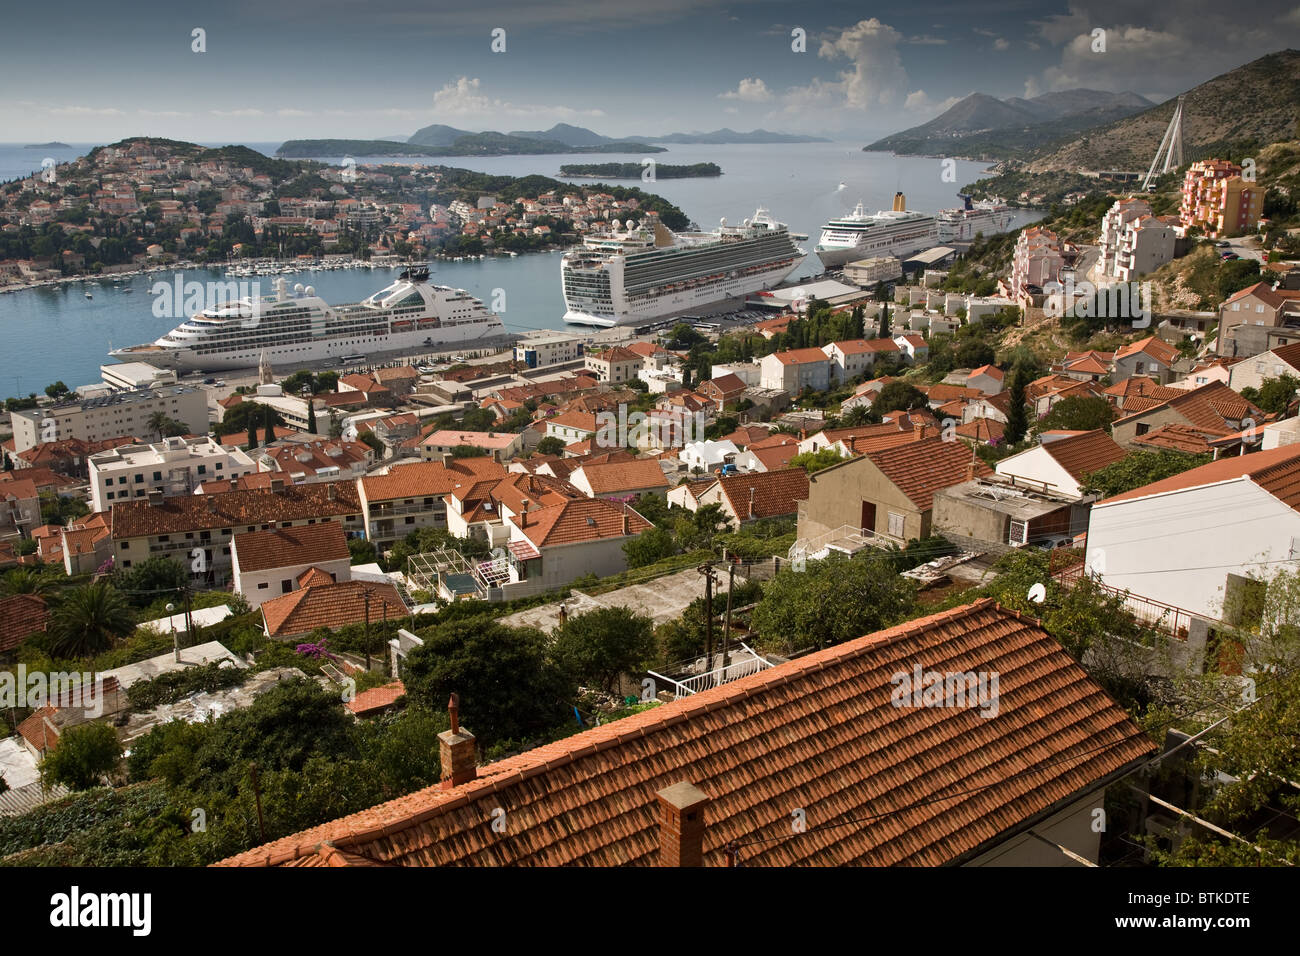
(800, 356)
(882, 784)
(1085, 452)
(775, 493)
(1277, 471)
(624, 476)
(332, 606)
(286, 547)
(1153, 346)
(21, 616)
(582, 519)
(138, 518)
(428, 479)
(920, 468)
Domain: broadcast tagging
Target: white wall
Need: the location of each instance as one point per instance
(249, 583)
(1180, 547)
(1037, 466)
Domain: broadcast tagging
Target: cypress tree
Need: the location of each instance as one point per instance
(1017, 415)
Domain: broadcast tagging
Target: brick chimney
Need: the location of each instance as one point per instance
(523, 513)
(681, 825)
(457, 749)
(751, 501)
(331, 493)
(627, 522)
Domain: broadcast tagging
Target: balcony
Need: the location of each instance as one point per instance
(1156, 615)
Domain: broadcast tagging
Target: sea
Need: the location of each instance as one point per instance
(60, 333)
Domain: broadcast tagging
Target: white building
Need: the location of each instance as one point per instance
(267, 564)
(111, 415)
(751, 373)
(1195, 540)
(794, 370)
(1061, 462)
(174, 466)
(540, 349)
(707, 454)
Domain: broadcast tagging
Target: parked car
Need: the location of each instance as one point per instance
(726, 471)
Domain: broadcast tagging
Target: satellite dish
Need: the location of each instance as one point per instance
(630, 224)
(1038, 593)
(746, 223)
(723, 221)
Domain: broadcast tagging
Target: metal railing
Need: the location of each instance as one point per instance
(844, 534)
(1157, 615)
(751, 664)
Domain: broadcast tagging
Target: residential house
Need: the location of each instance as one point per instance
(266, 564)
(988, 379)
(1258, 318)
(723, 391)
(408, 497)
(1213, 407)
(1222, 527)
(552, 546)
(1275, 363)
(21, 616)
(319, 602)
(750, 497)
(1061, 461)
(888, 493)
(615, 365)
(854, 357)
(20, 508)
(796, 370)
(680, 778)
(198, 530)
(499, 446)
(1151, 356)
(768, 454)
(623, 480)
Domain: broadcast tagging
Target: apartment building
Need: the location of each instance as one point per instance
(409, 497)
(173, 466)
(615, 365)
(110, 415)
(1218, 201)
(1038, 259)
(541, 349)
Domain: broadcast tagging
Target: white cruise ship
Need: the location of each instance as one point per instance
(861, 235)
(649, 272)
(964, 223)
(299, 326)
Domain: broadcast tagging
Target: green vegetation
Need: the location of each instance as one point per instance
(635, 170)
(1140, 468)
(85, 754)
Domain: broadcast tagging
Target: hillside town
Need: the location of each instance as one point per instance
(981, 554)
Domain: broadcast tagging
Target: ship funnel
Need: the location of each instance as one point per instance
(900, 202)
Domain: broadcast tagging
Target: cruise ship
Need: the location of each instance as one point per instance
(971, 218)
(861, 235)
(648, 272)
(299, 326)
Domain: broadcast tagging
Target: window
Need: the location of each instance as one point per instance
(139, 479)
(410, 521)
(126, 564)
(203, 469)
(125, 545)
(121, 479)
(1143, 428)
(286, 586)
(157, 476)
(263, 585)
(895, 525)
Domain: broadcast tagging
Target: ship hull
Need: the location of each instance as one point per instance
(703, 299)
(189, 360)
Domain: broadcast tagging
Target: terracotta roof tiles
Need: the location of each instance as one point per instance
(286, 547)
(919, 469)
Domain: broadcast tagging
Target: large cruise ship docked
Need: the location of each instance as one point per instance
(964, 223)
(299, 326)
(861, 235)
(649, 272)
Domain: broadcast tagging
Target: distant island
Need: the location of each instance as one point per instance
(47, 146)
(468, 144)
(635, 170)
(724, 136)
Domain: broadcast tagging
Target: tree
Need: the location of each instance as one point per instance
(857, 415)
(485, 663)
(974, 353)
(650, 546)
(84, 755)
(88, 619)
(361, 551)
(1078, 414)
(550, 445)
(158, 423)
(57, 390)
(311, 416)
(834, 600)
(1275, 394)
(701, 527)
(899, 396)
(1017, 413)
(1140, 468)
(884, 330)
(26, 581)
(595, 648)
(152, 576)
(811, 461)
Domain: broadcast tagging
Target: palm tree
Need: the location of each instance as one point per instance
(26, 581)
(88, 620)
(158, 423)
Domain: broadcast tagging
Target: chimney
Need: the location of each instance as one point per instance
(155, 499)
(627, 522)
(681, 825)
(277, 485)
(523, 515)
(751, 501)
(457, 749)
(564, 614)
(331, 493)
(212, 504)
(918, 430)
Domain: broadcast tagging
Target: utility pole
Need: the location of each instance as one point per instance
(726, 628)
(365, 594)
(707, 570)
(189, 624)
(257, 793)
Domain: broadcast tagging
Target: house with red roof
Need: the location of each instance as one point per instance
(21, 616)
(989, 379)
(1258, 319)
(751, 497)
(319, 602)
(1151, 356)
(1276, 362)
(550, 547)
(408, 497)
(854, 357)
(1061, 461)
(795, 370)
(266, 564)
(622, 480)
(1214, 408)
(888, 493)
(676, 785)
(1223, 528)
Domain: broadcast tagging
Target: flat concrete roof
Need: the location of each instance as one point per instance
(165, 663)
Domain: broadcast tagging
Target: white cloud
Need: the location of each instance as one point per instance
(751, 90)
(85, 111)
(918, 101)
(875, 76)
(236, 114)
(926, 39)
(465, 98)
(1001, 43)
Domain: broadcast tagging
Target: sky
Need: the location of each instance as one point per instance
(289, 69)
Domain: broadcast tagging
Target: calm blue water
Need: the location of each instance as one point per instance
(57, 333)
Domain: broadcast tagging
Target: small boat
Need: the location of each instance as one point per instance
(89, 296)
